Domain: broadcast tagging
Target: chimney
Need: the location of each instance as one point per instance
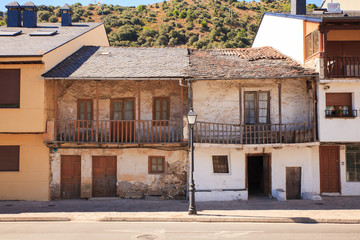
(298, 7)
(29, 15)
(65, 15)
(13, 14)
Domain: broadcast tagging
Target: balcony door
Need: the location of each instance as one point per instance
(122, 112)
(257, 107)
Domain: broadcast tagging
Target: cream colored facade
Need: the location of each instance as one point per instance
(344, 4)
(25, 125)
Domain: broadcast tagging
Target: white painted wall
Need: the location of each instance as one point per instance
(338, 129)
(218, 101)
(283, 34)
(347, 188)
(306, 157)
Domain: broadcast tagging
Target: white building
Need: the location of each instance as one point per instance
(255, 129)
(330, 44)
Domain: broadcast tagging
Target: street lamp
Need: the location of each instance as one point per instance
(191, 117)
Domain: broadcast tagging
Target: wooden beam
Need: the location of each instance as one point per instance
(280, 116)
(324, 28)
(182, 101)
(139, 101)
(56, 102)
(314, 111)
(97, 111)
(240, 104)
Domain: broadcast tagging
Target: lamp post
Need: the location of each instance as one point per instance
(191, 117)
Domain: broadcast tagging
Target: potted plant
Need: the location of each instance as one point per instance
(339, 112)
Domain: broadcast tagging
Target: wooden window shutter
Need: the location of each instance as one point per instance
(9, 158)
(338, 99)
(9, 86)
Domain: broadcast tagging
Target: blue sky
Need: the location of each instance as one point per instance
(115, 2)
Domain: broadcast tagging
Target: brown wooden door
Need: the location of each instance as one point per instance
(293, 182)
(104, 176)
(70, 177)
(122, 109)
(267, 174)
(329, 169)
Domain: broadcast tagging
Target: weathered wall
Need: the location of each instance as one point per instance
(283, 34)
(218, 101)
(133, 178)
(306, 157)
(338, 129)
(70, 91)
(31, 182)
(31, 101)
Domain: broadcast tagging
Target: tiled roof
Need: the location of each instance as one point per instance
(26, 45)
(243, 63)
(252, 54)
(120, 62)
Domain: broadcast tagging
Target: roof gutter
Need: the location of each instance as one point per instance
(123, 79)
(259, 78)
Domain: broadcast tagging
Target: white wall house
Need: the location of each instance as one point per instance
(332, 48)
(255, 133)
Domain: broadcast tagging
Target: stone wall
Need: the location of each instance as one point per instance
(133, 179)
(70, 91)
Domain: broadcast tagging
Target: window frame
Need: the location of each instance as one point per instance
(355, 152)
(17, 160)
(86, 100)
(112, 100)
(256, 102)
(150, 171)
(337, 110)
(161, 108)
(227, 164)
(312, 49)
(18, 90)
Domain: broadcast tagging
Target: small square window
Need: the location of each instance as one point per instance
(9, 158)
(156, 164)
(220, 164)
(9, 88)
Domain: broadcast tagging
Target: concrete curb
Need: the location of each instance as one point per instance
(240, 220)
(35, 219)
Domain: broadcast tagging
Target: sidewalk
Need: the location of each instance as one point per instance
(329, 210)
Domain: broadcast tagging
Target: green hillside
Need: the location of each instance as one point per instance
(191, 23)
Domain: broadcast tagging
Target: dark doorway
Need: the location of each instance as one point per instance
(258, 175)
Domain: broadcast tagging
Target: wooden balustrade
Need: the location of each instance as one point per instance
(113, 131)
(207, 132)
(342, 67)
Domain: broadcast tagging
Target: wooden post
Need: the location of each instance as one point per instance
(181, 102)
(139, 112)
(280, 117)
(314, 111)
(56, 108)
(97, 111)
(240, 113)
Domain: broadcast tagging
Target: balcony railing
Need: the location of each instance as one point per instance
(207, 132)
(342, 67)
(113, 131)
(341, 113)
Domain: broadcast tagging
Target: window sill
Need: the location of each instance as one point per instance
(340, 117)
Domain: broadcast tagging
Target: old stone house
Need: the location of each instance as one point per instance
(118, 123)
(256, 128)
(327, 41)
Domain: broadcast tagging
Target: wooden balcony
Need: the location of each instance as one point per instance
(342, 67)
(113, 131)
(218, 133)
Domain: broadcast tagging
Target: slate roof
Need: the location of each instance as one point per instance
(217, 64)
(92, 62)
(26, 45)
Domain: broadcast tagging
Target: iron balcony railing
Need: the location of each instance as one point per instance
(113, 131)
(340, 113)
(219, 133)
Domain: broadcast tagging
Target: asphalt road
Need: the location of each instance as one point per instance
(154, 231)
